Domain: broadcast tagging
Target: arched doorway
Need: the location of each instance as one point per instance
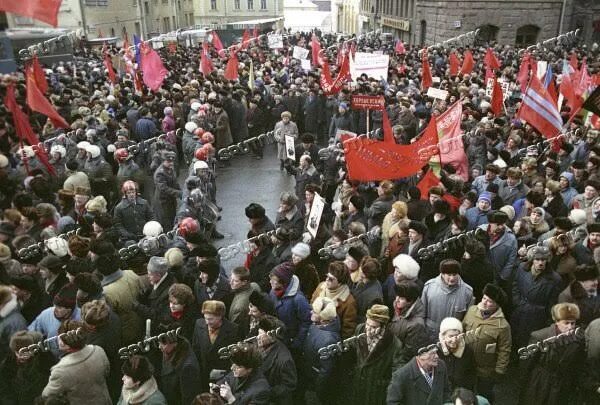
(423, 32)
(527, 35)
(487, 33)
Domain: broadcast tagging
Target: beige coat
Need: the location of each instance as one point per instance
(82, 376)
(346, 311)
(77, 179)
(120, 295)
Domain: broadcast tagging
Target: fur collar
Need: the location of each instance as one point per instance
(141, 394)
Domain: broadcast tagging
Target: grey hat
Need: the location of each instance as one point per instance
(158, 265)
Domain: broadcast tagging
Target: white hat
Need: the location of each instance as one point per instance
(325, 308)
(578, 216)
(152, 228)
(83, 145)
(200, 164)
(57, 246)
(509, 210)
(196, 105)
(191, 126)
(450, 324)
(27, 150)
(93, 150)
(176, 86)
(407, 266)
(59, 149)
(3, 161)
(301, 249)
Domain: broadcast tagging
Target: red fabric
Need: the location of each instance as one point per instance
(206, 65)
(452, 150)
(152, 67)
(429, 180)
(553, 91)
(330, 86)
(43, 10)
(231, 70)
(316, 49)
(584, 80)
(371, 160)
(489, 74)
(255, 32)
(111, 72)
(567, 89)
(23, 128)
(400, 47)
(216, 41)
(490, 60)
(454, 64)
(177, 314)
(574, 62)
(245, 39)
(388, 134)
(539, 109)
(523, 75)
(596, 79)
(453, 201)
(595, 121)
(426, 80)
(38, 73)
(38, 102)
(497, 101)
(468, 63)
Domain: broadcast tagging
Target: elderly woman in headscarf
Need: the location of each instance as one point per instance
(537, 222)
(283, 128)
(397, 214)
(168, 122)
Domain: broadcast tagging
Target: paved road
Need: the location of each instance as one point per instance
(248, 180)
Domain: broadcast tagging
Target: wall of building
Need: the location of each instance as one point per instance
(227, 11)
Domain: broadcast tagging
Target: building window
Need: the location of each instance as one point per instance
(96, 3)
(263, 4)
(213, 4)
(236, 4)
(250, 4)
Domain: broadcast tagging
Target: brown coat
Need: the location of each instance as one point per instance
(223, 136)
(346, 311)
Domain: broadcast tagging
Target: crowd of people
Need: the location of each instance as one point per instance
(104, 247)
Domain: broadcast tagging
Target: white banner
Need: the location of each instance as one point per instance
(541, 68)
(300, 53)
(314, 218)
(437, 93)
(305, 65)
(375, 66)
(290, 147)
(489, 88)
(275, 41)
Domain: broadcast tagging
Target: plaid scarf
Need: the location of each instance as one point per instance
(373, 340)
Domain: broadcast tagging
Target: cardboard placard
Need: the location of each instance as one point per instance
(290, 147)
(305, 64)
(314, 217)
(364, 102)
(275, 41)
(437, 93)
(300, 53)
(375, 66)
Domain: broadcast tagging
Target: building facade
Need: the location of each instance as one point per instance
(214, 13)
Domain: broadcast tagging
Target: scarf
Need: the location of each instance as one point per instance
(279, 293)
(373, 340)
(177, 314)
(355, 276)
(140, 394)
(338, 295)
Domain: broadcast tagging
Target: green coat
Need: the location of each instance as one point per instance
(373, 371)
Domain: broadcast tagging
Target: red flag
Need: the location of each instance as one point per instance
(490, 60)
(584, 80)
(497, 101)
(245, 39)
(426, 80)
(216, 41)
(523, 75)
(43, 10)
(452, 150)
(596, 79)
(424, 185)
(388, 133)
(567, 89)
(574, 62)
(206, 65)
(371, 160)
(316, 49)
(37, 102)
(109, 67)
(468, 63)
(231, 70)
(24, 130)
(400, 50)
(39, 74)
(330, 86)
(454, 64)
(489, 74)
(255, 32)
(538, 109)
(552, 91)
(152, 67)
(595, 121)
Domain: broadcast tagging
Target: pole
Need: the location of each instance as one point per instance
(83, 19)
(562, 17)
(368, 113)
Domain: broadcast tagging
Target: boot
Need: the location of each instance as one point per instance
(217, 235)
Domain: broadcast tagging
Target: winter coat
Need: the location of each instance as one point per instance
(81, 376)
(503, 254)
(308, 277)
(582, 253)
(475, 218)
(154, 303)
(222, 131)
(316, 370)
(279, 369)
(102, 180)
(222, 291)
(480, 184)
(477, 271)
(589, 307)
(260, 266)
(238, 310)
(460, 366)
(437, 230)
(511, 194)
(130, 171)
(339, 121)
(346, 311)
(237, 118)
(252, 390)
(130, 218)
(533, 297)
(207, 352)
(121, 289)
(145, 128)
(281, 130)
(367, 294)
(47, 324)
(292, 221)
(313, 113)
(410, 328)
(378, 211)
(304, 178)
(373, 370)
(108, 337)
(441, 301)
(409, 387)
(166, 195)
(180, 383)
(11, 321)
(21, 383)
(294, 311)
(493, 345)
(551, 376)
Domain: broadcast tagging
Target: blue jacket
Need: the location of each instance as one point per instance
(475, 217)
(47, 324)
(293, 310)
(503, 254)
(317, 369)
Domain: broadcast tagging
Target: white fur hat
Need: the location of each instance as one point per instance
(407, 266)
(325, 308)
(301, 249)
(190, 127)
(450, 324)
(578, 216)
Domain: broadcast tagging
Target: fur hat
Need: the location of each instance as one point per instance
(283, 272)
(441, 207)
(356, 253)
(89, 283)
(255, 211)
(407, 266)
(24, 338)
(553, 186)
(52, 263)
(7, 229)
(174, 257)
(538, 253)
(325, 308)
(96, 205)
(66, 296)
(301, 249)
(358, 202)
(586, 272)
(594, 227)
(262, 302)
(82, 191)
(4, 252)
(408, 290)
(288, 198)
(497, 217)
(565, 311)
(449, 266)
(95, 312)
(509, 211)
(379, 313)
(5, 294)
(450, 324)
(418, 227)
(578, 216)
(246, 355)
(158, 265)
(270, 322)
(213, 307)
(495, 293)
(57, 246)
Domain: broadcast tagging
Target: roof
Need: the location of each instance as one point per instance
(307, 20)
(256, 22)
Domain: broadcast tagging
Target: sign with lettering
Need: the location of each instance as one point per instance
(375, 66)
(364, 102)
(275, 41)
(300, 53)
